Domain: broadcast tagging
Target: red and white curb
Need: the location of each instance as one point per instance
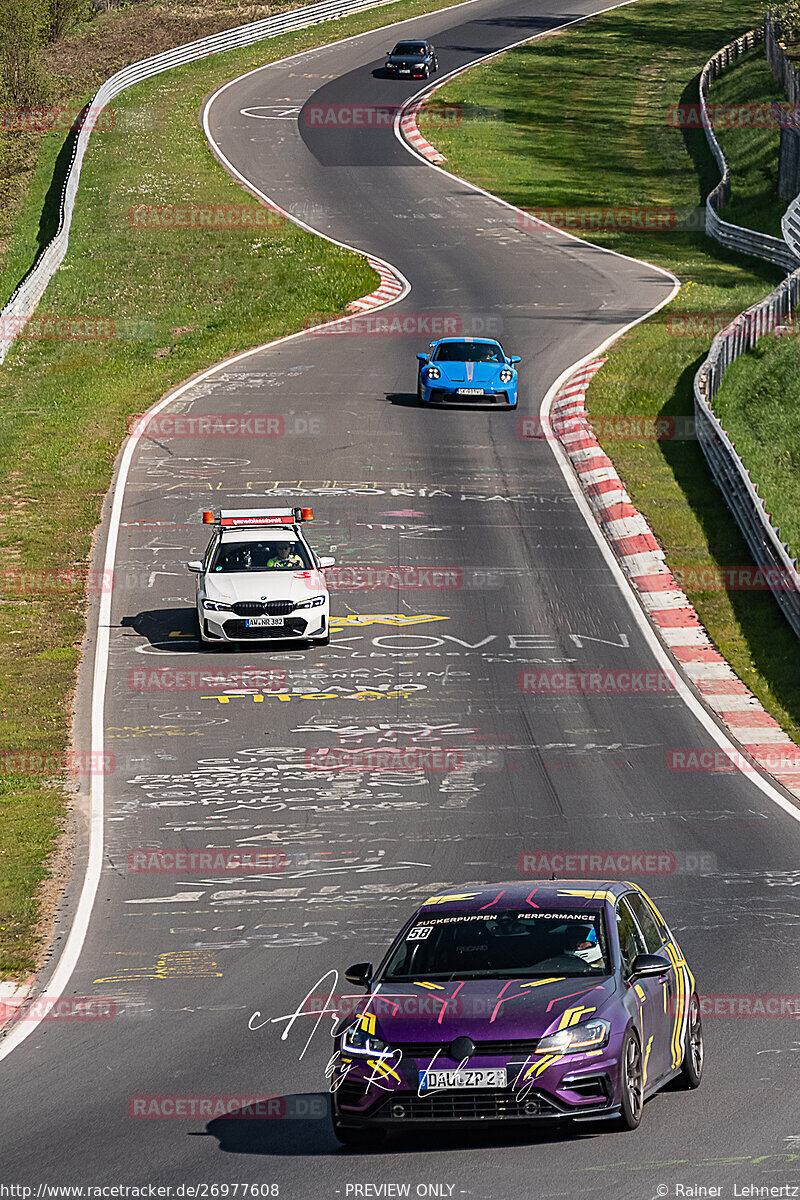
(668, 607)
(390, 288)
(411, 133)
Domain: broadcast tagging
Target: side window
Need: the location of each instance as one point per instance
(212, 545)
(631, 942)
(647, 924)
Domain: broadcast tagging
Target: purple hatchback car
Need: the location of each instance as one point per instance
(564, 999)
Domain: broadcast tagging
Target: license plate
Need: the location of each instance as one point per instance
(261, 622)
(494, 1078)
(470, 391)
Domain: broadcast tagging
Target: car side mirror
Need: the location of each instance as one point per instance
(515, 358)
(422, 357)
(196, 567)
(649, 966)
(360, 974)
(326, 561)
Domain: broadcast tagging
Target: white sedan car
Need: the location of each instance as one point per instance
(260, 580)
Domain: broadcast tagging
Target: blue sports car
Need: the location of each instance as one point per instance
(556, 1000)
(467, 370)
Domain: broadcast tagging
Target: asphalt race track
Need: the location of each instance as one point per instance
(188, 959)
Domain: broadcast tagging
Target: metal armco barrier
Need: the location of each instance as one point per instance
(790, 224)
(731, 475)
(23, 302)
(735, 237)
(740, 493)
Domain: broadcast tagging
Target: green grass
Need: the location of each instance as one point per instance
(179, 301)
(751, 149)
(759, 405)
(580, 121)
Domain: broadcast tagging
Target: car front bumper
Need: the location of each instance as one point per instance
(447, 395)
(575, 1088)
(229, 627)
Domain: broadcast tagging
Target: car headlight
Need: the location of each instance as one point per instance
(506, 375)
(433, 372)
(315, 603)
(216, 606)
(356, 1040)
(590, 1035)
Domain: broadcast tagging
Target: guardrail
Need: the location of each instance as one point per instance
(731, 475)
(735, 237)
(24, 300)
(790, 224)
(733, 478)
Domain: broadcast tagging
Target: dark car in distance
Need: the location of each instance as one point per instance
(411, 60)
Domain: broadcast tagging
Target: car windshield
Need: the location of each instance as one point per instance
(509, 943)
(477, 352)
(416, 49)
(232, 557)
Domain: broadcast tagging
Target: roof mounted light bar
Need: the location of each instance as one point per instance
(226, 518)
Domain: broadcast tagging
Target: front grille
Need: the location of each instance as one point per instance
(257, 608)
(466, 1106)
(294, 628)
(425, 1049)
(440, 396)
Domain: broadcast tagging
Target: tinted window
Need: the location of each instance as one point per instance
(630, 939)
(487, 352)
(409, 48)
(209, 554)
(505, 943)
(647, 924)
(259, 556)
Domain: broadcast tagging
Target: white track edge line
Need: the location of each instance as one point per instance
(77, 935)
(695, 706)
(80, 924)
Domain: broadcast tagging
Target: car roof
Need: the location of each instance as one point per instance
(566, 894)
(484, 341)
(260, 533)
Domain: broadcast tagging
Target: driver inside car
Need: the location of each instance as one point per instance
(285, 556)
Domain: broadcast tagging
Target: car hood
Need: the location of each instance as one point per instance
(406, 60)
(470, 374)
(280, 585)
(496, 1010)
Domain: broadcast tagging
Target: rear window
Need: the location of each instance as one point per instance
(506, 943)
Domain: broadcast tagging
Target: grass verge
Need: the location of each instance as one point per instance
(64, 405)
(759, 405)
(581, 121)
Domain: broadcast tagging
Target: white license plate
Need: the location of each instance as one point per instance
(470, 391)
(261, 622)
(494, 1078)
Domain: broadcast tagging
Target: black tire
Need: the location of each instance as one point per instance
(631, 1084)
(364, 1138)
(419, 391)
(693, 1056)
